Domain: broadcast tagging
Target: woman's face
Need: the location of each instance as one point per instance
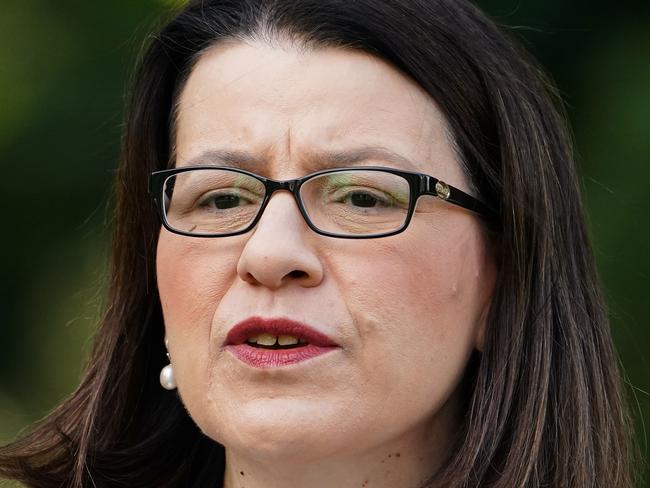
(405, 311)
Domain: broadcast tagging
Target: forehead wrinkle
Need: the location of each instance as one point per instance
(312, 160)
(227, 157)
(289, 143)
(281, 158)
(181, 103)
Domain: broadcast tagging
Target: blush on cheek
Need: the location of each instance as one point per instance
(191, 281)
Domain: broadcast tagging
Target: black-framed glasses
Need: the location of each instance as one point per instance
(353, 203)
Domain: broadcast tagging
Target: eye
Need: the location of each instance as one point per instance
(361, 199)
(223, 201)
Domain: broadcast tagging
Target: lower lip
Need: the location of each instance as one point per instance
(258, 357)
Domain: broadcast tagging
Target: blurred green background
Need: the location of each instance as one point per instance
(63, 69)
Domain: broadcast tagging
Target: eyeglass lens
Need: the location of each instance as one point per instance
(349, 202)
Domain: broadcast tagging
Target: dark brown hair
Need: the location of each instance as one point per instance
(545, 405)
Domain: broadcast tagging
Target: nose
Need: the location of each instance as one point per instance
(276, 253)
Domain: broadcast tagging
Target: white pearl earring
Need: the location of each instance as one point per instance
(167, 380)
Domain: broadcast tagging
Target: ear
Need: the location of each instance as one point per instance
(487, 282)
(479, 339)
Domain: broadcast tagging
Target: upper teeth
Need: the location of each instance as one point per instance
(271, 340)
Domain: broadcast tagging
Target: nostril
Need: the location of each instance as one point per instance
(296, 273)
(248, 277)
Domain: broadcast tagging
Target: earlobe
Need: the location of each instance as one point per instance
(167, 380)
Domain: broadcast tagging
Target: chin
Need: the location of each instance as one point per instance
(296, 449)
(278, 430)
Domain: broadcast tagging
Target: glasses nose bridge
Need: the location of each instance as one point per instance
(291, 186)
(273, 186)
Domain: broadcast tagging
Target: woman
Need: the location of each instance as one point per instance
(372, 269)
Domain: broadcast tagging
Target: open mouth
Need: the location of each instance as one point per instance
(270, 341)
(276, 333)
(276, 342)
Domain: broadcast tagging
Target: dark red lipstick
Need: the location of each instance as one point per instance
(308, 343)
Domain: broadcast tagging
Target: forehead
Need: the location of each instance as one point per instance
(284, 105)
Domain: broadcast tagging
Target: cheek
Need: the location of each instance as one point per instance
(192, 279)
(415, 306)
(193, 276)
(402, 290)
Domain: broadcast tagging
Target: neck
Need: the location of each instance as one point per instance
(383, 468)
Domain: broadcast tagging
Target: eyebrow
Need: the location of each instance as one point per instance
(312, 162)
(224, 157)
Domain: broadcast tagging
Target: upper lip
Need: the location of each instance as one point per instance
(254, 326)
